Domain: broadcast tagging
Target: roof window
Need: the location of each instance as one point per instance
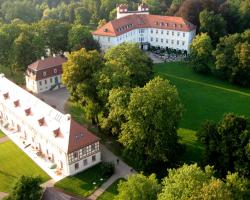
(16, 103)
(41, 121)
(6, 95)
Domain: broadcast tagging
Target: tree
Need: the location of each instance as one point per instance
(138, 187)
(125, 66)
(26, 188)
(226, 144)
(82, 15)
(117, 106)
(190, 10)
(80, 37)
(78, 77)
(232, 58)
(27, 48)
(201, 53)
(55, 34)
(153, 114)
(191, 182)
(213, 24)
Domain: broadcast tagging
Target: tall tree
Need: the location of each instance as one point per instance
(26, 188)
(55, 35)
(80, 37)
(191, 182)
(78, 77)
(201, 53)
(153, 114)
(213, 24)
(226, 144)
(138, 187)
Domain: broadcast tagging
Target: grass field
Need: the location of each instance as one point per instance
(82, 184)
(204, 97)
(14, 163)
(111, 192)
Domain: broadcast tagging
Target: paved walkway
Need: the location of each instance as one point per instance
(4, 139)
(122, 170)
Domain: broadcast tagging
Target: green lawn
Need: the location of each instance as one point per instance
(82, 184)
(14, 163)
(1, 134)
(111, 192)
(204, 97)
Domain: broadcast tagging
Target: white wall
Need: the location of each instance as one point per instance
(41, 85)
(82, 167)
(156, 37)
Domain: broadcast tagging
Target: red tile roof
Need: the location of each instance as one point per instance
(80, 137)
(125, 24)
(47, 63)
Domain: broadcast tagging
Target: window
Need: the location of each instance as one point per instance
(55, 71)
(92, 147)
(152, 31)
(162, 40)
(183, 43)
(162, 32)
(51, 80)
(178, 33)
(45, 81)
(152, 39)
(44, 73)
(93, 158)
(156, 31)
(75, 155)
(40, 83)
(76, 166)
(156, 39)
(183, 34)
(172, 41)
(85, 162)
(167, 41)
(167, 32)
(172, 33)
(178, 42)
(108, 39)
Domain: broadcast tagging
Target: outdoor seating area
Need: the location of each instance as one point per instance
(169, 54)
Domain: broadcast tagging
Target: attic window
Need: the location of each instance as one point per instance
(105, 30)
(162, 24)
(6, 95)
(166, 24)
(156, 23)
(56, 132)
(41, 121)
(27, 111)
(16, 103)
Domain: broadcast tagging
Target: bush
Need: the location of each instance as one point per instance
(108, 169)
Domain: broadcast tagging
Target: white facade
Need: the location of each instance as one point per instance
(179, 40)
(44, 84)
(51, 134)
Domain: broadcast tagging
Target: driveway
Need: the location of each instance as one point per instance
(55, 98)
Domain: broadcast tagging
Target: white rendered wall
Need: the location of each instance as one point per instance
(156, 37)
(72, 169)
(42, 85)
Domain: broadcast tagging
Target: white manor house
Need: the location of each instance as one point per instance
(49, 134)
(145, 29)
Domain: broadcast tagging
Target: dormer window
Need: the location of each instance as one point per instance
(27, 111)
(16, 103)
(56, 132)
(41, 121)
(6, 95)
